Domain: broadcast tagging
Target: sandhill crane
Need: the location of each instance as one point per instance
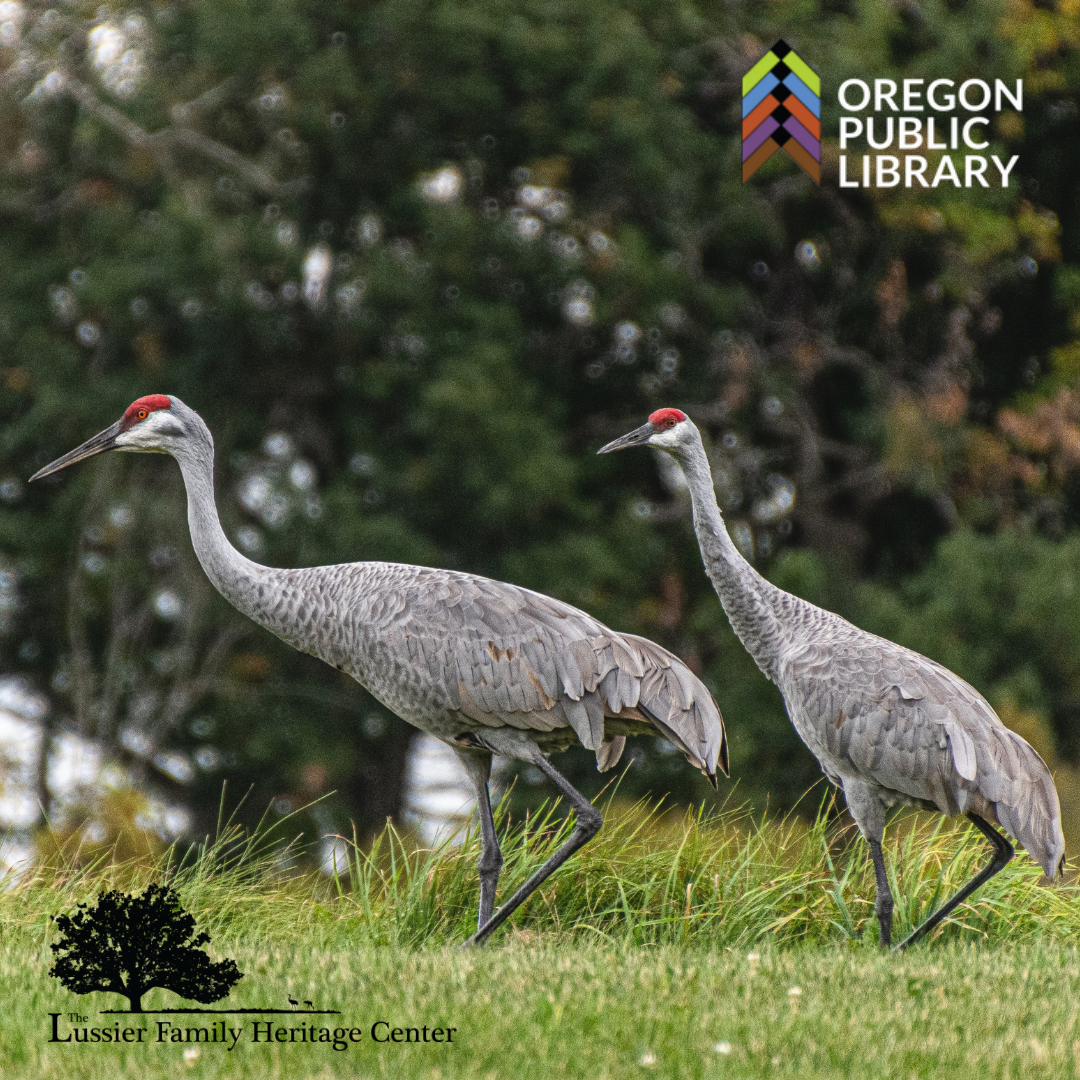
(887, 725)
(485, 666)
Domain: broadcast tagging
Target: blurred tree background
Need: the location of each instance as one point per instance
(416, 260)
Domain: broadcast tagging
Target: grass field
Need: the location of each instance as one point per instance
(673, 948)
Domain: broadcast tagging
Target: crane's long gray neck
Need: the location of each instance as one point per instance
(283, 601)
(753, 605)
(241, 581)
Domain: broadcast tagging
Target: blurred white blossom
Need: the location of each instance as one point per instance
(600, 244)
(168, 604)
(369, 230)
(48, 87)
(64, 305)
(806, 253)
(302, 475)
(118, 54)
(12, 17)
(577, 303)
(317, 267)
(348, 296)
(287, 233)
(272, 100)
(88, 333)
(779, 502)
(442, 186)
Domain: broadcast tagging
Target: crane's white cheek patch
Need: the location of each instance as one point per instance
(149, 434)
(665, 439)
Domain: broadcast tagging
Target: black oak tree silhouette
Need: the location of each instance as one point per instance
(128, 945)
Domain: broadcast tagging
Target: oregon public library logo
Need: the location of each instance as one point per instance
(129, 945)
(781, 111)
(933, 131)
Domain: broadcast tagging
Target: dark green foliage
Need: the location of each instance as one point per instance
(131, 944)
(446, 395)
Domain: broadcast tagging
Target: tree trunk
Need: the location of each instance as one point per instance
(377, 787)
(41, 773)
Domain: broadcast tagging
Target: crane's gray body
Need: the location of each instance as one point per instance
(888, 725)
(456, 654)
(460, 656)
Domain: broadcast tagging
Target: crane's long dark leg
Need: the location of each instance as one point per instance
(883, 901)
(866, 807)
(586, 827)
(1003, 852)
(478, 765)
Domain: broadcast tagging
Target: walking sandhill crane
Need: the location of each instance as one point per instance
(887, 725)
(487, 667)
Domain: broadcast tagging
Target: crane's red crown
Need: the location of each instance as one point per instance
(666, 418)
(141, 409)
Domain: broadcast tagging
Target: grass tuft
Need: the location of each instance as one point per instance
(651, 877)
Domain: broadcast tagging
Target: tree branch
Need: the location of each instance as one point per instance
(254, 174)
(188, 111)
(178, 135)
(183, 697)
(107, 114)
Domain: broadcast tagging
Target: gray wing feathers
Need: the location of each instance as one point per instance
(1001, 767)
(679, 704)
(607, 757)
(911, 726)
(503, 655)
(1013, 777)
(963, 748)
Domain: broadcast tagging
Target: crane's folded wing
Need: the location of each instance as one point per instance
(505, 655)
(910, 725)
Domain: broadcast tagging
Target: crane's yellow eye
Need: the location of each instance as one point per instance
(670, 421)
(143, 414)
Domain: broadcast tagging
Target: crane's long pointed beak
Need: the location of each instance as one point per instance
(638, 437)
(102, 441)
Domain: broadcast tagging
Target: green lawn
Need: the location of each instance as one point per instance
(549, 1009)
(674, 948)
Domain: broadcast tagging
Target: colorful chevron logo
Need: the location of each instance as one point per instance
(781, 111)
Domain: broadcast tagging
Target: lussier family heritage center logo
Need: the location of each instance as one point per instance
(129, 945)
(932, 129)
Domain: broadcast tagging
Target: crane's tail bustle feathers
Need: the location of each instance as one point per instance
(1013, 787)
(1040, 836)
(679, 705)
(607, 757)
(608, 675)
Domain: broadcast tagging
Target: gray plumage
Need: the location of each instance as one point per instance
(457, 654)
(888, 725)
(892, 727)
(483, 665)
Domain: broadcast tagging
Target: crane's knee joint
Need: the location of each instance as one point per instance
(490, 862)
(589, 821)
